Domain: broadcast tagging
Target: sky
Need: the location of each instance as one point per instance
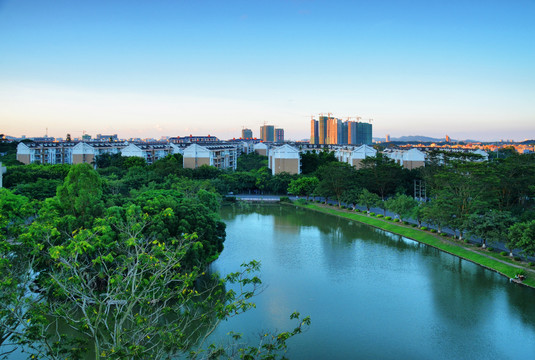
(155, 68)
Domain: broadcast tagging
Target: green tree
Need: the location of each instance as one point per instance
(126, 289)
(80, 195)
(252, 161)
(206, 172)
(280, 182)
(383, 205)
(303, 186)
(29, 174)
(15, 274)
(381, 175)
(352, 196)
(240, 181)
(402, 205)
(263, 177)
(463, 189)
(368, 199)
(492, 226)
(38, 190)
(136, 177)
(312, 161)
(434, 214)
(418, 213)
(515, 187)
(128, 281)
(334, 179)
(522, 236)
(133, 161)
(172, 164)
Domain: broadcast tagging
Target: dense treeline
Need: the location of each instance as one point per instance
(118, 254)
(491, 200)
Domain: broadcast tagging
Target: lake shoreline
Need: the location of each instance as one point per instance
(439, 242)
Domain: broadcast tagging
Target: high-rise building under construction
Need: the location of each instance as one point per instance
(246, 134)
(267, 133)
(330, 130)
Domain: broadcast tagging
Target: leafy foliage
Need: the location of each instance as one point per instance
(303, 186)
(491, 226)
(334, 179)
(402, 205)
(312, 161)
(128, 277)
(252, 161)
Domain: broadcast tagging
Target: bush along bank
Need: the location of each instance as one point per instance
(474, 254)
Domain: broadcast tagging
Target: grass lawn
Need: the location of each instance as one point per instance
(492, 261)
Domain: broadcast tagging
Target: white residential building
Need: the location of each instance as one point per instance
(219, 156)
(284, 158)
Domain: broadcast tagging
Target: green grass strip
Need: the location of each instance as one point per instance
(431, 240)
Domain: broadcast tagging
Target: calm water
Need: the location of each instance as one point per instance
(371, 295)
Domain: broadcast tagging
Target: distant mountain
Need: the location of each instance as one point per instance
(417, 138)
(423, 139)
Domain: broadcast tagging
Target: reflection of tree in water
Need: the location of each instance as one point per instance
(521, 300)
(337, 235)
(461, 290)
(247, 208)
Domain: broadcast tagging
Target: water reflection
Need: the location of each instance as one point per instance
(372, 294)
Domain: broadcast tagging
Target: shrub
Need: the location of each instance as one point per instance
(379, 215)
(443, 234)
(388, 217)
(433, 230)
(343, 207)
(413, 225)
(285, 199)
(396, 220)
(466, 241)
(530, 264)
(517, 258)
(423, 228)
(405, 223)
(489, 248)
(503, 253)
(372, 214)
(302, 201)
(357, 210)
(478, 245)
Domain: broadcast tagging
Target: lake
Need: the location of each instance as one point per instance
(370, 294)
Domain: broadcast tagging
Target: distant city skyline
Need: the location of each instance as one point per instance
(174, 68)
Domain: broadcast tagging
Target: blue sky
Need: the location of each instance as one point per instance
(153, 68)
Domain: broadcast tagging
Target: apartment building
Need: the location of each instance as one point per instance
(45, 152)
(354, 155)
(285, 158)
(261, 149)
(149, 152)
(409, 159)
(219, 156)
(86, 152)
